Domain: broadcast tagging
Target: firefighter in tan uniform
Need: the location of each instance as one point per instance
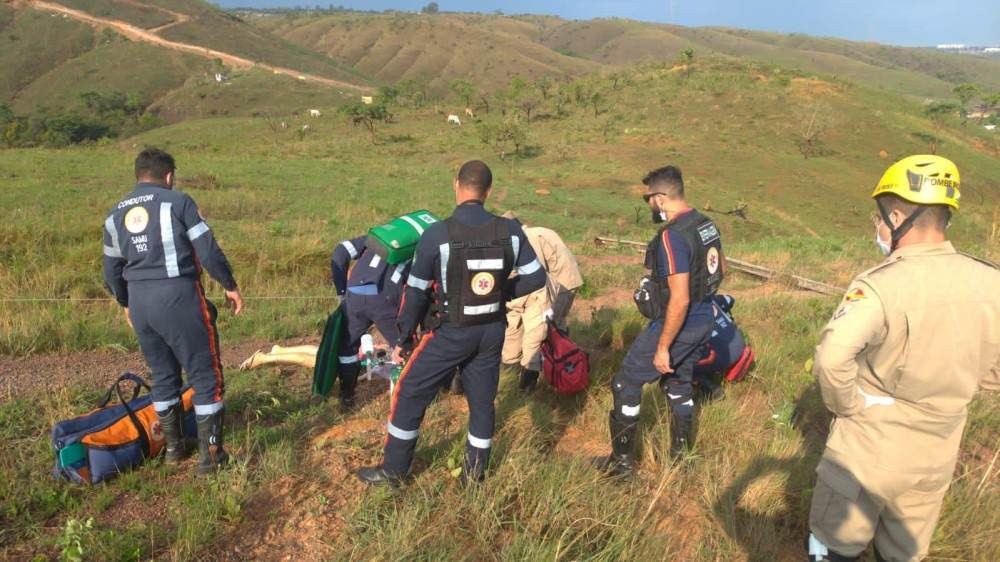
(527, 316)
(902, 357)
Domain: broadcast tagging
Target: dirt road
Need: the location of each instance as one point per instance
(149, 36)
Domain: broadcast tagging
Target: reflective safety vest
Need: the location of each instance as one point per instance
(705, 242)
(475, 264)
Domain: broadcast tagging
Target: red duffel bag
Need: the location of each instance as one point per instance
(564, 364)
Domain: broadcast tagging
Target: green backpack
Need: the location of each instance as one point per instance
(396, 240)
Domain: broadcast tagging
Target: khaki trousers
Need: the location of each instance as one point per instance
(526, 327)
(896, 511)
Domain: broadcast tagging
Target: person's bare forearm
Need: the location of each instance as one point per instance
(673, 321)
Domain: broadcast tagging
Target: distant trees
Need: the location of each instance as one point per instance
(544, 86)
(389, 94)
(412, 93)
(813, 122)
(991, 102)
(463, 89)
(99, 114)
(965, 93)
(368, 115)
(509, 133)
(938, 113)
(431, 8)
(508, 113)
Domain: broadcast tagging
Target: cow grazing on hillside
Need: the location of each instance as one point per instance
(314, 113)
(454, 120)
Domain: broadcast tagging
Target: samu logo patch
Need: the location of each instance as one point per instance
(136, 220)
(483, 283)
(708, 233)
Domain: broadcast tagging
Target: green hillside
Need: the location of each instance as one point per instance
(440, 47)
(33, 43)
(146, 16)
(395, 47)
(49, 60)
(279, 198)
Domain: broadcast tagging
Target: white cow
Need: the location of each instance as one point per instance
(454, 120)
(314, 113)
(367, 100)
(305, 128)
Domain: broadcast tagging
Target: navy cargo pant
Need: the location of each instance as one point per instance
(175, 325)
(476, 351)
(362, 312)
(638, 370)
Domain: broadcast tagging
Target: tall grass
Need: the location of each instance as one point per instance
(278, 206)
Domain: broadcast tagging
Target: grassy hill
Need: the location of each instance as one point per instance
(48, 60)
(398, 46)
(279, 199)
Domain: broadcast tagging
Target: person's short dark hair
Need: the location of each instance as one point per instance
(475, 175)
(153, 163)
(667, 180)
(935, 217)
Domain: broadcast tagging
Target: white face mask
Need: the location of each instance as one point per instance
(883, 246)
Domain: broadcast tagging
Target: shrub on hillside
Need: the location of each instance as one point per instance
(99, 115)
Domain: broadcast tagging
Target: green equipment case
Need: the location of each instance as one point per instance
(396, 240)
(327, 362)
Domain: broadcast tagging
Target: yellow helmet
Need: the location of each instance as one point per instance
(923, 179)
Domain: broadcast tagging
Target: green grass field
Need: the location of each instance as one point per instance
(280, 200)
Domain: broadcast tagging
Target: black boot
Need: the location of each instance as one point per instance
(712, 391)
(682, 433)
(173, 432)
(529, 379)
(348, 384)
(211, 454)
(621, 461)
(377, 476)
(474, 465)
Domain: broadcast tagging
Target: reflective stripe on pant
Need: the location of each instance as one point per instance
(362, 311)
(899, 511)
(476, 351)
(176, 328)
(638, 370)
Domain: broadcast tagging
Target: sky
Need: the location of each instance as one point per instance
(897, 22)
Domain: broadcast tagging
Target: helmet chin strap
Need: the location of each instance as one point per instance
(900, 231)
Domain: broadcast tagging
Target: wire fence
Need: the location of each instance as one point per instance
(108, 299)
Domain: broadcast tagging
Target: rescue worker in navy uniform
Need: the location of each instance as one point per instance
(686, 263)
(155, 245)
(371, 292)
(726, 354)
(458, 288)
